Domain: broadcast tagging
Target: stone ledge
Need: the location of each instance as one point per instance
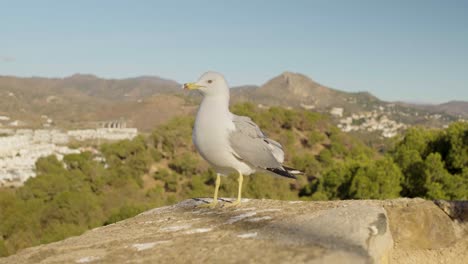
(270, 231)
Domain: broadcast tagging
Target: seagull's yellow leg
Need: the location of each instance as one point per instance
(215, 197)
(239, 194)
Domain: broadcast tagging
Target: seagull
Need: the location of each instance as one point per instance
(232, 143)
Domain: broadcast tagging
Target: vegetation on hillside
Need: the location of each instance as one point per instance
(88, 190)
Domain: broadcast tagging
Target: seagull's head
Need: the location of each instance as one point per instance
(210, 83)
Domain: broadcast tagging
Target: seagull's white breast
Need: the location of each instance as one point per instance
(211, 137)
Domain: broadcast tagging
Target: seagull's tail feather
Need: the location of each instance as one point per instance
(285, 172)
(293, 171)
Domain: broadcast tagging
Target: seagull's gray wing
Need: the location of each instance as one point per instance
(252, 146)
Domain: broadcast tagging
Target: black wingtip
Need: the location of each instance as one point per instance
(282, 172)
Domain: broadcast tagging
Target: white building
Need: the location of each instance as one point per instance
(21, 148)
(371, 121)
(337, 111)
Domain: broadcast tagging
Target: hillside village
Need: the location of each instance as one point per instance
(20, 148)
(368, 121)
(379, 120)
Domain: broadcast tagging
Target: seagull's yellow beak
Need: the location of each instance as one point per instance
(191, 86)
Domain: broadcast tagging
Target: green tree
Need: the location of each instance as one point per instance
(378, 180)
(433, 162)
(457, 138)
(173, 136)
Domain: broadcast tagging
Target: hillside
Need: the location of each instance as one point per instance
(455, 108)
(270, 231)
(297, 90)
(114, 181)
(82, 100)
(144, 102)
(293, 89)
(90, 85)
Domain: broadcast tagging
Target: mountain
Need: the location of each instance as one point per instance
(296, 90)
(455, 108)
(360, 113)
(81, 100)
(120, 89)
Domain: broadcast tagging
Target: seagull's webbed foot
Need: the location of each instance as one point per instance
(237, 202)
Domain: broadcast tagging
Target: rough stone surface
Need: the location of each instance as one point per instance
(422, 225)
(268, 231)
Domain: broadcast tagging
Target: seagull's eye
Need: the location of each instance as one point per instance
(210, 81)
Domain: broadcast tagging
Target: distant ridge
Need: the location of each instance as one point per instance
(146, 101)
(295, 89)
(457, 108)
(80, 99)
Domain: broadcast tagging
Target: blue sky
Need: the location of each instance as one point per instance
(398, 50)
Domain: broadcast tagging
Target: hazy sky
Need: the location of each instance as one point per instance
(407, 50)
